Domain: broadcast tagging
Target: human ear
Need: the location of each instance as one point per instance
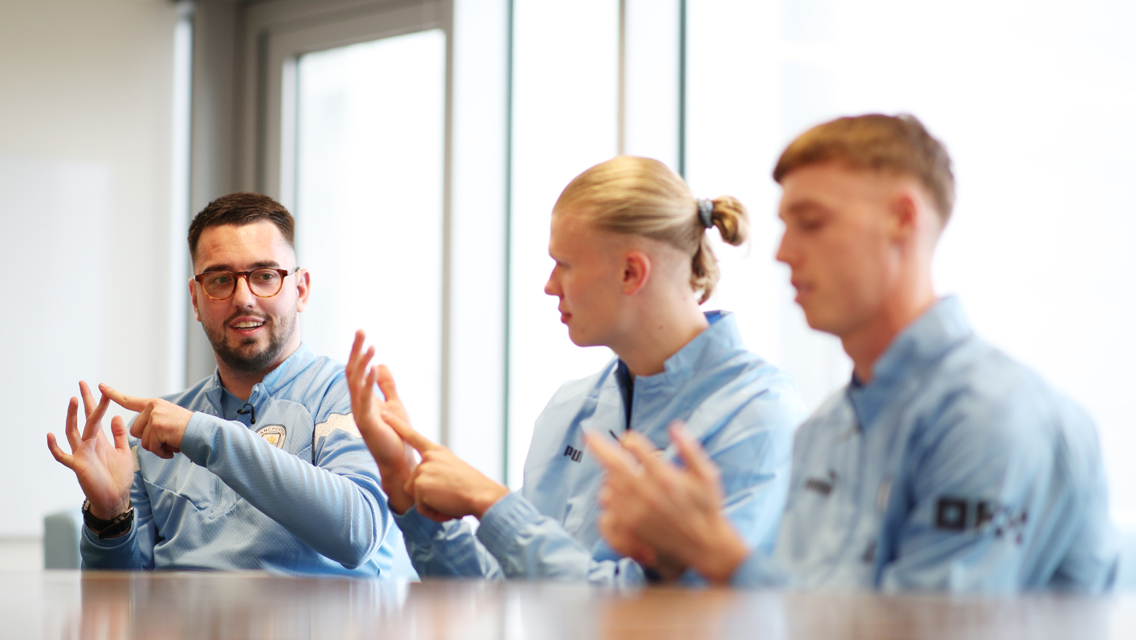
(903, 215)
(193, 299)
(636, 271)
(303, 289)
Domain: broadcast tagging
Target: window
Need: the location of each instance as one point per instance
(370, 124)
(1033, 102)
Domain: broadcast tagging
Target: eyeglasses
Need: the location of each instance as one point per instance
(263, 283)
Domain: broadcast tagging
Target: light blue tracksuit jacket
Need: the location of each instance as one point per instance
(296, 492)
(954, 469)
(742, 409)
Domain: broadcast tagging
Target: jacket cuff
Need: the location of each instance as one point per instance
(501, 525)
(758, 570)
(415, 526)
(110, 544)
(200, 438)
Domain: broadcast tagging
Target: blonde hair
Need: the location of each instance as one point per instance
(640, 196)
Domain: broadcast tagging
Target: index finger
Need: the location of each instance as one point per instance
(354, 368)
(386, 383)
(692, 452)
(94, 420)
(122, 400)
(421, 443)
(643, 449)
(610, 456)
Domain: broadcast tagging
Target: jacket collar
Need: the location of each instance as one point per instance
(712, 345)
(276, 379)
(913, 351)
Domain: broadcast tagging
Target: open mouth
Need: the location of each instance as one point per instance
(247, 326)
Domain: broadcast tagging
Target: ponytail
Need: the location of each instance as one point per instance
(732, 221)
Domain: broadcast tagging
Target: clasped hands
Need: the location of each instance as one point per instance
(106, 472)
(442, 486)
(662, 515)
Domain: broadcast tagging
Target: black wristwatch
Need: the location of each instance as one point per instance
(108, 528)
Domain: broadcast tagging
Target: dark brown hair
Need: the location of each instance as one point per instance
(896, 144)
(241, 209)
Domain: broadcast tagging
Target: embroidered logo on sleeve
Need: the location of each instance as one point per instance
(823, 486)
(337, 421)
(959, 514)
(273, 434)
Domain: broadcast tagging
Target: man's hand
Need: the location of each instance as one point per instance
(444, 486)
(105, 472)
(675, 512)
(160, 424)
(394, 457)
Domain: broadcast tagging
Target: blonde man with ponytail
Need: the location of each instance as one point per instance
(633, 264)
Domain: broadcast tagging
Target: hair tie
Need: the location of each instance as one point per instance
(706, 212)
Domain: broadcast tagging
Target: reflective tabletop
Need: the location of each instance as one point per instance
(70, 604)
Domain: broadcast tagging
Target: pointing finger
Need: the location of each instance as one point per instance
(356, 347)
(610, 456)
(642, 449)
(122, 400)
(421, 443)
(692, 452)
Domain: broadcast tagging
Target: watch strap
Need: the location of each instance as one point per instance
(104, 529)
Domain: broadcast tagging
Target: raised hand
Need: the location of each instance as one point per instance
(160, 424)
(675, 511)
(395, 458)
(444, 486)
(105, 472)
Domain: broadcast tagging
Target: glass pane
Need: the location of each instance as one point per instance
(369, 181)
(1036, 109)
(564, 121)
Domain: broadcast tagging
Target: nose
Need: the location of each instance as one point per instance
(552, 287)
(242, 294)
(784, 249)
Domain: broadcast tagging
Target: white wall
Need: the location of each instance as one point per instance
(86, 95)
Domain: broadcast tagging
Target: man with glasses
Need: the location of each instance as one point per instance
(259, 466)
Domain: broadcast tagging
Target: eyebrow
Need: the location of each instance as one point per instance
(260, 264)
(804, 206)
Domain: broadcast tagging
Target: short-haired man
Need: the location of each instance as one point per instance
(272, 473)
(944, 464)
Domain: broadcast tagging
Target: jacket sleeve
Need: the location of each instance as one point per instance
(753, 452)
(335, 506)
(133, 551)
(447, 549)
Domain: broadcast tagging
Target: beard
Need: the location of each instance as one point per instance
(245, 356)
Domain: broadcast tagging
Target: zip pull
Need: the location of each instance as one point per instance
(248, 410)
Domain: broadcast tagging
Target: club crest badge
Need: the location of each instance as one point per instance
(273, 434)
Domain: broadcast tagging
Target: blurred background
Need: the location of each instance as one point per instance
(422, 143)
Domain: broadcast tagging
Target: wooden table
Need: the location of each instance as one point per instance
(69, 604)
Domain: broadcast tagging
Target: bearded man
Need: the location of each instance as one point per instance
(259, 466)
